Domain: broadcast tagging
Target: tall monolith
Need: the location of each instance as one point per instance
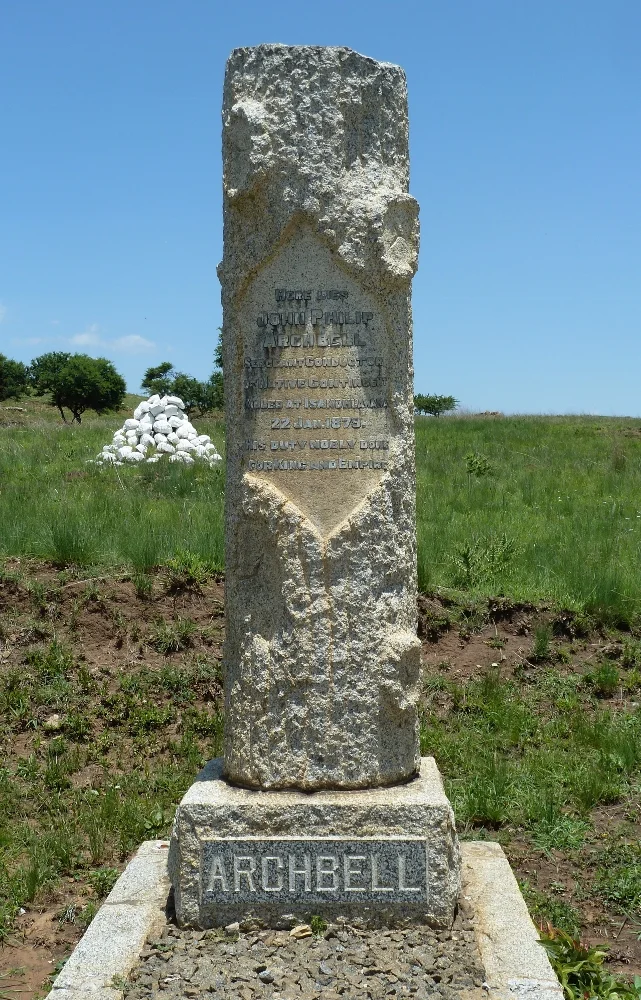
(320, 246)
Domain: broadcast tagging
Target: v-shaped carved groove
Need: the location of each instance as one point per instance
(257, 484)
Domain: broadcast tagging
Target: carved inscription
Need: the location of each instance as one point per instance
(316, 396)
(314, 871)
(290, 362)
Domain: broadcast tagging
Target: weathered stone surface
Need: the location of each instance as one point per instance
(515, 963)
(346, 847)
(320, 245)
(133, 911)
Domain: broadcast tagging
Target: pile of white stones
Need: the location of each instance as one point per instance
(159, 427)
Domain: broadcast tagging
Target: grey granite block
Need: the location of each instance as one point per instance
(515, 963)
(379, 855)
(322, 661)
(144, 880)
(111, 945)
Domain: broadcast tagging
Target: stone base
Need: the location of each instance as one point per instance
(384, 856)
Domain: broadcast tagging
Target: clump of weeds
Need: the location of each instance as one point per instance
(143, 585)
(605, 679)
(187, 571)
(542, 645)
(581, 971)
(172, 637)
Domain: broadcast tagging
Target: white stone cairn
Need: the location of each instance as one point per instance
(159, 427)
(320, 246)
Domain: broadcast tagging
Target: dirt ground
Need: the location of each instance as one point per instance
(469, 656)
(108, 627)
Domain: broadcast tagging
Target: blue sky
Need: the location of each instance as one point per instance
(525, 120)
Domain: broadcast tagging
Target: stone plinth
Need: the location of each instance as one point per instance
(384, 856)
(320, 246)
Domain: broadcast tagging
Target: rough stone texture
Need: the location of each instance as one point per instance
(321, 657)
(133, 910)
(212, 809)
(492, 938)
(343, 961)
(516, 965)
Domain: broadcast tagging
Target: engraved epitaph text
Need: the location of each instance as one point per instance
(316, 406)
(314, 871)
(321, 658)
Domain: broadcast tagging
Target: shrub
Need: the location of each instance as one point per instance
(200, 397)
(434, 405)
(14, 380)
(580, 970)
(78, 383)
(478, 465)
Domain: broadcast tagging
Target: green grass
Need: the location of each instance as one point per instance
(555, 514)
(141, 737)
(512, 755)
(546, 511)
(534, 757)
(619, 877)
(546, 908)
(540, 508)
(56, 506)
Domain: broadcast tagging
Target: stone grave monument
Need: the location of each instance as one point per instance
(321, 803)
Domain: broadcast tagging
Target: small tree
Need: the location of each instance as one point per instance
(434, 405)
(218, 351)
(192, 392)
(44, 371)
(159, 379)
(198, 397)
(215, 391)
(79, 383)
(14, 379)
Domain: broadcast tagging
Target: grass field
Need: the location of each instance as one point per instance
(54, 505)
(537, 508)
(111, 628)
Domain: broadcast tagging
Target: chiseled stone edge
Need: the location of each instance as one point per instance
(516, 965)
(418, 808)
(110, 947)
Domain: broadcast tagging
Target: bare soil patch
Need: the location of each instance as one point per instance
(112, 701)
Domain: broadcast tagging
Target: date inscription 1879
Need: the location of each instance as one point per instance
(317, 369)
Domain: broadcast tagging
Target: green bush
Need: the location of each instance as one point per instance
(14, 380)
(198, 397)
(78, 382)
(581, 973)
(434, 405)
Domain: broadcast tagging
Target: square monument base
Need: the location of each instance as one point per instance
(384, 856)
